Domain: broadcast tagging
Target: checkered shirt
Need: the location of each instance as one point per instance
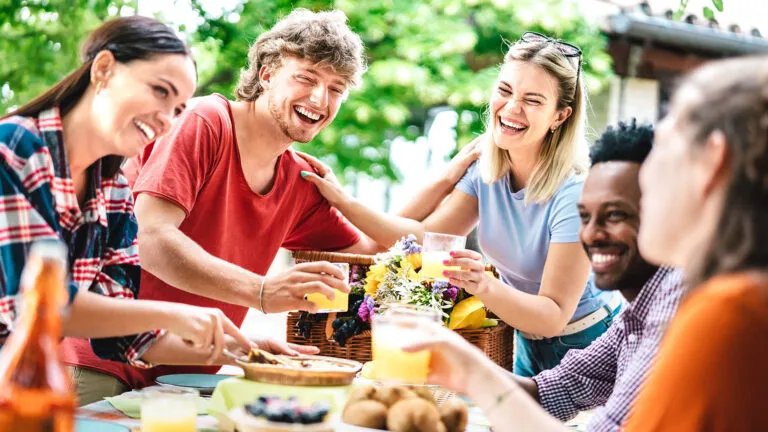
(608, 373)
(38, 202)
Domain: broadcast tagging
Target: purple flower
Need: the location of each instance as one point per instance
(451, 293)
(413, 249)
(366, 310)
(440, 285)
(409, 245)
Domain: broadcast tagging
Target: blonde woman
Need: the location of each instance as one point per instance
(522, 195)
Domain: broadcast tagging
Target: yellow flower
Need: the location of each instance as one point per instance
(414, 260)
(373, 277)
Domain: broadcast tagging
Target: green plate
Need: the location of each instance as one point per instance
(88, 425)
(204, 383)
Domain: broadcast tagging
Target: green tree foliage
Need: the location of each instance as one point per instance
(421, 55)
(40, 42)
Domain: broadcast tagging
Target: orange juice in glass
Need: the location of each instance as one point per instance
(394, 327)
(340, 302)
(168, 409)
(436, 249)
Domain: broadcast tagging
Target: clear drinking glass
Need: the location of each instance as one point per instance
(395, 326)
(168, 409)
(340, 302)
(436, 249)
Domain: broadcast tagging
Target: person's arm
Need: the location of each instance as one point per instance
(117, 285)
(584, 379)
(508, 406)
(565, 275)
(125, 330)
(426, 200)
(456, 215)
(429, 197)
(429, 210)
(177, 260)
(457, 365)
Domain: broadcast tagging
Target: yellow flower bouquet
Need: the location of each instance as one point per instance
(394, 278)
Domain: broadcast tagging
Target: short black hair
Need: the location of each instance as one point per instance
(627, 142)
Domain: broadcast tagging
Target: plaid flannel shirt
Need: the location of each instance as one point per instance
(38, 201)
(609, 372)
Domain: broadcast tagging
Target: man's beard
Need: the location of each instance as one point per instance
(283, 123)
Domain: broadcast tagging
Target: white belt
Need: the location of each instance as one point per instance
(583, 322)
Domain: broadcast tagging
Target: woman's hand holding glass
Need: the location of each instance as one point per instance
(472, 275)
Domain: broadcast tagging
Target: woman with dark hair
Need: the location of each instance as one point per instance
(60, 178)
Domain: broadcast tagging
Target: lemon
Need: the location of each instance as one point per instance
(468, 313)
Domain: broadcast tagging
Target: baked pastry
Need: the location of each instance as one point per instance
(414, 415)
(454, 415)
(366, 413)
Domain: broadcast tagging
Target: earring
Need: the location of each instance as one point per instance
(554, 128)
(99, 86)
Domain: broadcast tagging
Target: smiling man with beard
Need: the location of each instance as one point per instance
(608, 373)
(222, 192)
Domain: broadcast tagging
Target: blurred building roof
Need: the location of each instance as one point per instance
(652, 21)
(684, 34)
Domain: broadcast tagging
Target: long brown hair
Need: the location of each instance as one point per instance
(127, 38)
(733, 99)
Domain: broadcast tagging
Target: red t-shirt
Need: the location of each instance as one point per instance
(197, 167)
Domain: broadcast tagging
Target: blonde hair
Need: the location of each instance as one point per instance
(320, 37)
(563, 153)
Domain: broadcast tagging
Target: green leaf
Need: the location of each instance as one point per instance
(678, 15)
(708, 13)
(718, 5)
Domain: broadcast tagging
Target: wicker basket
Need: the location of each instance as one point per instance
(496, 342)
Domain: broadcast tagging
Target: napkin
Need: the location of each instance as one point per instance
(130, 404)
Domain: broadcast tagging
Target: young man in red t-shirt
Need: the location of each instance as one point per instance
(222, 192)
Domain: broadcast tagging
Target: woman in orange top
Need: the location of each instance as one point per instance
(705, 209)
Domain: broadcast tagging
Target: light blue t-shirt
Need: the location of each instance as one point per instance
(515, 236)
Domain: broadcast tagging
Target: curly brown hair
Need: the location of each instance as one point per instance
(321, 37)
(732, 97)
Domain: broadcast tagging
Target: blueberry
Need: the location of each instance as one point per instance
(312, 416)
(273, 413)
(293, 416)
(255, 409)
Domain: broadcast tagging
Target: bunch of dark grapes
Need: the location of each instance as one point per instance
(304, 324)
(345, 327)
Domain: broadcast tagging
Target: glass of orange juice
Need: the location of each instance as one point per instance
(396, 326)
(340, 302)
(168, 409)
(436, 249)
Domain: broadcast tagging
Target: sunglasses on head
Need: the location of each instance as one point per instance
(568, 50)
